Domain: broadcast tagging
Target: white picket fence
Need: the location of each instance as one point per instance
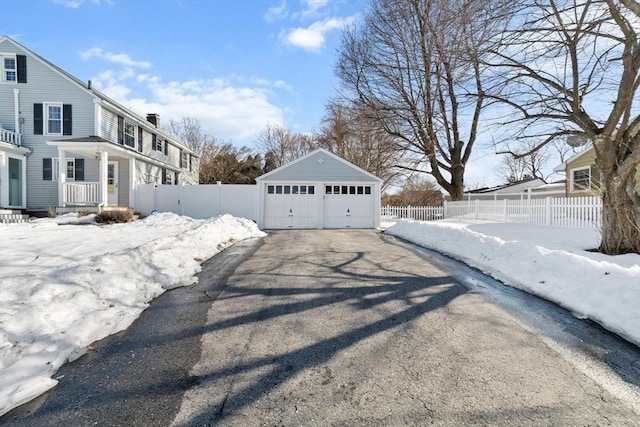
(574, 212)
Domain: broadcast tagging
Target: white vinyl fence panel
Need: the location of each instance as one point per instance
(199, 201)
(574, 212)
(419, 213)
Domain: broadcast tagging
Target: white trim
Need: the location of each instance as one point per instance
(313, 153)
(572, 187)
(97, 110)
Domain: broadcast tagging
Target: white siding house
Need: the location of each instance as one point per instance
(319, 190)
(66, 145)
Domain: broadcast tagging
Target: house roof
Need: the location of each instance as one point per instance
(535, 182)
(318, 170)
(91, 138)
(562, 166)
(90, 90)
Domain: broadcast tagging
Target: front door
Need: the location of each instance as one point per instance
(15, 182)
(112, 183)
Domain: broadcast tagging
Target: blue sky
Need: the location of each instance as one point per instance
(236, 65)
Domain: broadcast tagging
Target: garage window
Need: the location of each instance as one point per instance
(293, 189)
(349, 189)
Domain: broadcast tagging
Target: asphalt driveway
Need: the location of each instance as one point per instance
(342, 328)
(339, 328)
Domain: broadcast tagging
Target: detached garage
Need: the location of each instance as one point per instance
(319, 190)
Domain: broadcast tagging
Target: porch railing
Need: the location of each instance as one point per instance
(82, 193)
(10, 136)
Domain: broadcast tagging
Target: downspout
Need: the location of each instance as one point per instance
(16, 114)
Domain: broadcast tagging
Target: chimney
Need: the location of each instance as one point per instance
(154, 119)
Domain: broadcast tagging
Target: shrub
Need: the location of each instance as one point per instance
(115, 216)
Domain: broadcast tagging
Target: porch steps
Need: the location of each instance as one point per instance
(10, 216)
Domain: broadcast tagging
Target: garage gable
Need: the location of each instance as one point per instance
(321, 166)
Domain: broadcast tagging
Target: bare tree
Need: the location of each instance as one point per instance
(189, 131)
(415, 64)
(280, 145)
(517, 167)
(572, 68)
(416, 192)
(352, 134)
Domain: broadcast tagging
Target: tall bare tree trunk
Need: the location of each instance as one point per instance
(621, 211)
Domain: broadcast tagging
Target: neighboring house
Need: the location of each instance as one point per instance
(583, 178)
(530, 187)
(319, 190)
(64, 144)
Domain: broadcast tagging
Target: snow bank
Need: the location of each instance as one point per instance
(551, 262)
(64, 286)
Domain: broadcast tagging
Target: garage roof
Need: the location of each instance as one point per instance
(319, 165)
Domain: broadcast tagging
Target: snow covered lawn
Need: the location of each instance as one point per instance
(551, 262)
(64, 285)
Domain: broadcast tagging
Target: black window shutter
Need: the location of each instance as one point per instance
(37, 119)
(47, 171)
(79, 172)
(166, 147)
(140, 139)
(22, 68)
(154, 141)
(67, 120)
(120, 130)
(164, 176)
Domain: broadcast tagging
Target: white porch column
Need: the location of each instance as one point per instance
(104, 166)
(132, 183)
(62, 176)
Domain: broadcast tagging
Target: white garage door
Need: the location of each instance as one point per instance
(349, 206)
(290, 206)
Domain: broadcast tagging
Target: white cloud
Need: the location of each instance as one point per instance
(312, 6)
(276, 12)
(226, 110)
(74, 4)
(68, 3)
(312, 38)
(117, 58)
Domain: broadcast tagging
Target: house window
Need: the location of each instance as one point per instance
(129, 134)
(74, 170)
(156, 143)
(71, 168)
(581, 179)
(9, 69)
(54, 119)
(184, 160)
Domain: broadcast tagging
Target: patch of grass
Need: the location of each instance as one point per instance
(83, 212)
(115, 216)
